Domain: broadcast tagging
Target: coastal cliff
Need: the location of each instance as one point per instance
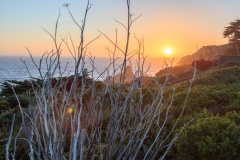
(116, 79)
(206, 52)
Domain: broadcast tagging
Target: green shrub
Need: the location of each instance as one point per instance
(226, 75)
(217, 99)
(20, 87)
(4, 105)
(213, 137)
(12, 101)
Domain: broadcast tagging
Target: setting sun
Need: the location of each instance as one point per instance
(167, 51)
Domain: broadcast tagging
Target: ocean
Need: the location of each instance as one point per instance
(12, 68)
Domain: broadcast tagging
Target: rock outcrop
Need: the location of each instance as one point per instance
(206, 52)
(116, 79)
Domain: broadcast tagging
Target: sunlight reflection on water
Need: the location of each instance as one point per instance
(12, 68)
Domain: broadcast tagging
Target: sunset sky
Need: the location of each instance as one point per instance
(176, 24)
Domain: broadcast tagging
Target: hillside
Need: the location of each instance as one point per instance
(206, 52)
(213, 108)
(176, 70)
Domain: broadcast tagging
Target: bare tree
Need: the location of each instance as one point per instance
(85, 122)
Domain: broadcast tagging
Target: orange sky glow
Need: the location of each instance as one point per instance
(177, 25)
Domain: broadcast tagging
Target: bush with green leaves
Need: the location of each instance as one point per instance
(213, 137)
(221, 75)
(4, 106)
(217, 90)
(20, 87)
(13, 101)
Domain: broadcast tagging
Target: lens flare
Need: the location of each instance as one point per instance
(70, 110)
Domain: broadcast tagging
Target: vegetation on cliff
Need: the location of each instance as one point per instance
(213, 106)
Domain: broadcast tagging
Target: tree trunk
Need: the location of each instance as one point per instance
(236, 45)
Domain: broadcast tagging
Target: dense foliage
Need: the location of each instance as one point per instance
(214, 104)
(214, 107)
(212, 137)
(203, 65)
(232, 32)
(176, 70)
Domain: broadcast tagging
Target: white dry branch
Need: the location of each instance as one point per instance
(74, 118)
(10, 137)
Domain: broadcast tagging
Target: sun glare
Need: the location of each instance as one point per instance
(167, 51)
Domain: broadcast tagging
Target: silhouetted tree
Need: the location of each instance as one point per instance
(233, 33)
